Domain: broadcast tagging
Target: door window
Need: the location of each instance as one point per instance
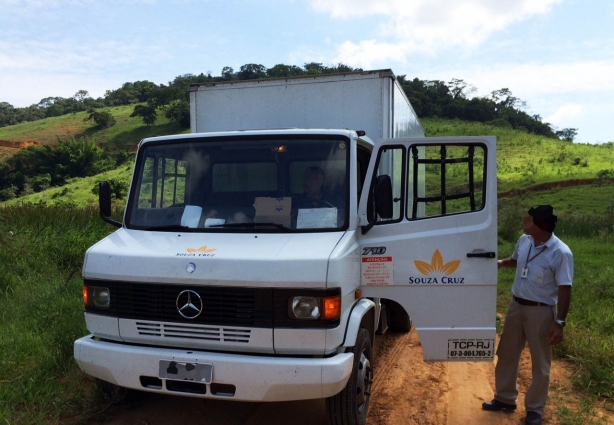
(445, 179)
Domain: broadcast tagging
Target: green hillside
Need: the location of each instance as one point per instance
(524, 160)
(126, 133)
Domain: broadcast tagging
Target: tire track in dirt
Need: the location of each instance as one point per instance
(387, 352)
(409, 391)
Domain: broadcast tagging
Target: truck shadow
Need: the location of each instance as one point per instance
(156, 409)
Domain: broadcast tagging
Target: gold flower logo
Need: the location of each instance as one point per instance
(437, 265)
(201, 249)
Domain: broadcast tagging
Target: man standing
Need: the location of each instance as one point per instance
(536, 313)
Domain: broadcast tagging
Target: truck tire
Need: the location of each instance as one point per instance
(398, 319)
(351, 405)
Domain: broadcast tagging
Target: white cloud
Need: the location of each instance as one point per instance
(32, 70)
(72, 56)
(565, 114)
(538, 79)
(426, 26)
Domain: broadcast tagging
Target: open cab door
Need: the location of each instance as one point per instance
(429, 240)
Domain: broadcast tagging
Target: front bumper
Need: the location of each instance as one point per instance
(255, 378)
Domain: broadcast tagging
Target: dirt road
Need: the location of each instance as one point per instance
(405, 391)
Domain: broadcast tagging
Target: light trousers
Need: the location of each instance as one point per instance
(525, 324)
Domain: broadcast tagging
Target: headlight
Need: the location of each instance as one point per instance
(96, 296)
(313, 308)
(306, 308)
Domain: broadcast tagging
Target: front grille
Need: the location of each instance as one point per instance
(249, 307)
(202, 333)
(223, 306)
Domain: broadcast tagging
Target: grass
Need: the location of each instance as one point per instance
(42, 314)
(582, 414)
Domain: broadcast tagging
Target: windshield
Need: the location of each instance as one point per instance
(272, 184)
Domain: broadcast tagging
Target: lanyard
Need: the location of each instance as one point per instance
(535, 256)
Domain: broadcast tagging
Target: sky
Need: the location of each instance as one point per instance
(556, 55)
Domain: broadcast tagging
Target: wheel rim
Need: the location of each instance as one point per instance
(363, 382)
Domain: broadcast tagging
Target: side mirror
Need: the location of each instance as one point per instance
(382, 195)
(104, 199)
(104, 202)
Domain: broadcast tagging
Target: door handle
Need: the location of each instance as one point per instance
(482, 254)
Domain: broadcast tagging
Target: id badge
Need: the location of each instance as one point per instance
(525, 273)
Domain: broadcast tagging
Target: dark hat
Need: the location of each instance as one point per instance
(543, 214)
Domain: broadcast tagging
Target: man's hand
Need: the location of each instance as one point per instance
(555, 336)
(507, 263)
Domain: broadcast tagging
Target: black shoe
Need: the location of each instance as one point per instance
(497, 405)
(533, 418)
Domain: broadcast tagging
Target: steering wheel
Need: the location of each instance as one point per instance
(313, 203)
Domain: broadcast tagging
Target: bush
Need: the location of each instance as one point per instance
(8, 193)
(179, 111)
(119, 187)
(103, 119)
(36, 168)
(604, 177)
(147, 112)
(40, 182)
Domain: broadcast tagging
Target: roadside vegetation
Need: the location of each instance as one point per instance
(42, 314)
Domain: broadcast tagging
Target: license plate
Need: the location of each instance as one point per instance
(185, 371)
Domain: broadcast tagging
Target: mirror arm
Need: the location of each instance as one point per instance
(110, 221)
(365, 229)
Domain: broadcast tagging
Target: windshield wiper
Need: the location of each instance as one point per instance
(249, 225)
(171, 227)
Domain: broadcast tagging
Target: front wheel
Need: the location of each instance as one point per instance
(351, 405)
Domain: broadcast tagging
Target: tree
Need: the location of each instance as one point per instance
(142, 89)
(54, 110)
(460, 89)
(314, 68)
(147, 112)
(281, 70)
(81, 95)
(227, 73)
(103, 119)
(48, 101)
(252, 71)
(8, 114)
(504, 99)
(567, 134)
(179, 111)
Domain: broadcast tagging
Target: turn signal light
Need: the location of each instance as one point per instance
(331, 308)
(85, 296)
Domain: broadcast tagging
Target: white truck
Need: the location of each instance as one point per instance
(259, 256)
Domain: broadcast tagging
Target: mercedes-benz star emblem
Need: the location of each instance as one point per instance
(190, 267)
(189, 304)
